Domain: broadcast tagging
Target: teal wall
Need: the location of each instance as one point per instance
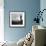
(43, 6)
(30, 7)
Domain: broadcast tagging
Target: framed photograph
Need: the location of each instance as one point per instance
(17, 19)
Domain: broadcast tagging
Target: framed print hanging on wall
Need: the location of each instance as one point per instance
(17, 19)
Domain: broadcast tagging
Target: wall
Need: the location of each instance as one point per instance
(30, 7)
(42, 6)
(1, 21)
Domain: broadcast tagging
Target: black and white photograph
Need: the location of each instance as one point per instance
(17, 19)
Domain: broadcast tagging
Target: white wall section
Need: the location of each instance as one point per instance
(1, 20)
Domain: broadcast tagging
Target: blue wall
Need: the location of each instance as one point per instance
(43, 6)
(30, 7)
